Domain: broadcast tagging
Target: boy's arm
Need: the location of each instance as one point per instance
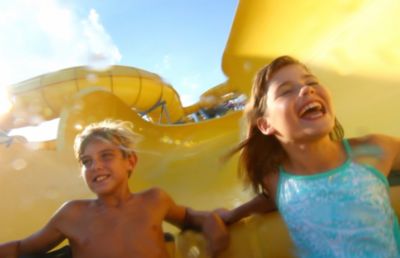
(259, 204)
(41, 241)
(184, 217)
(209, 223)
(9, 249)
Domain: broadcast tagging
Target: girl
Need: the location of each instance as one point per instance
(331, 192)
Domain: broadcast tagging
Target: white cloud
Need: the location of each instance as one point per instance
(188, 99)
(100, 49)
(190, 84)
(42, 36)
(165, 65)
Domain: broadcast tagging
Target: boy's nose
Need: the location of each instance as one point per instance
(306, 90)
(97, 165)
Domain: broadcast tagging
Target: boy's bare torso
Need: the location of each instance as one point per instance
(131, 229)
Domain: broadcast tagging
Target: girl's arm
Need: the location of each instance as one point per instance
(395, 148)
(385, 158)
(259, 204)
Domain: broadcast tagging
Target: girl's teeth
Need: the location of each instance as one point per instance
(310, 106)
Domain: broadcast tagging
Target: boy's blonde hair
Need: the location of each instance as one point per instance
(117, 132)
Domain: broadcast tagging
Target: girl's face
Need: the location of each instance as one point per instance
(298, 106)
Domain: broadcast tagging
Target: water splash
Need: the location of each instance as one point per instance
(19, 164)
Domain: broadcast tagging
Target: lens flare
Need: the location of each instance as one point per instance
(5, 103)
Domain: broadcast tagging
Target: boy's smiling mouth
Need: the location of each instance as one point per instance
(312, 110)
(100, 178)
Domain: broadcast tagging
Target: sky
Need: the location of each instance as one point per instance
(182, 41)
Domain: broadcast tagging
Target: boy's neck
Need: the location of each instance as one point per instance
(114, 200)
(314, 156)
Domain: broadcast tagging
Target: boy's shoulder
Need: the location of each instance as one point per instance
(156, 196)
(74, 206)
(69, 211)
(154, 192)
(78, 203)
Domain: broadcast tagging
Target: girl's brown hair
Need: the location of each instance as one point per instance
(262, 154)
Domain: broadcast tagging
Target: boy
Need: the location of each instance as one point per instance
(117, 223)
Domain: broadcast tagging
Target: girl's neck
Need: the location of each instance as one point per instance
(314, 156)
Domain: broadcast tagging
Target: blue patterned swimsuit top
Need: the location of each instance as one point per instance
(344, 212)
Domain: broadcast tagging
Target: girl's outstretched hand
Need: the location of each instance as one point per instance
(216, 234)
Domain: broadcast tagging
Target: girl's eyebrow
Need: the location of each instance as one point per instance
(309, 76)
(305, 76)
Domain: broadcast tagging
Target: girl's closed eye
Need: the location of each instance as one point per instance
(284, 90)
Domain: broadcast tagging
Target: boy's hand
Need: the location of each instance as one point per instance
(216, 234)
(225, 215)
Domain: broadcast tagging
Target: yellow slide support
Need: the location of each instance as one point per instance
(359, 66)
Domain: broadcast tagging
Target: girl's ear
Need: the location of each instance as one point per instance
(264, 126)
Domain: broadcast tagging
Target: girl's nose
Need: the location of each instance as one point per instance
(306, 90)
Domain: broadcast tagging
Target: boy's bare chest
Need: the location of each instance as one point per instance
(121, 227)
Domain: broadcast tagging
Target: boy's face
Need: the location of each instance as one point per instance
(104, 167)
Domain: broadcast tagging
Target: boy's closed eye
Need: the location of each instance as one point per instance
(107, 156)
(86, 162)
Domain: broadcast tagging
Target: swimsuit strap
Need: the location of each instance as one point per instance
(347, 147)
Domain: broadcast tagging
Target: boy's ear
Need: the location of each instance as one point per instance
(132, 160)
(264, 126)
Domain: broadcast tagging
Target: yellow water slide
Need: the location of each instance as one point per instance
(350, 45)
(43, 97)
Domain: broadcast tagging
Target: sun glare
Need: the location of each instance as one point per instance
(5, 103)
(45, 131)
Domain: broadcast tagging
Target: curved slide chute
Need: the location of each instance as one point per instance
(359, 66)
(42, 98)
